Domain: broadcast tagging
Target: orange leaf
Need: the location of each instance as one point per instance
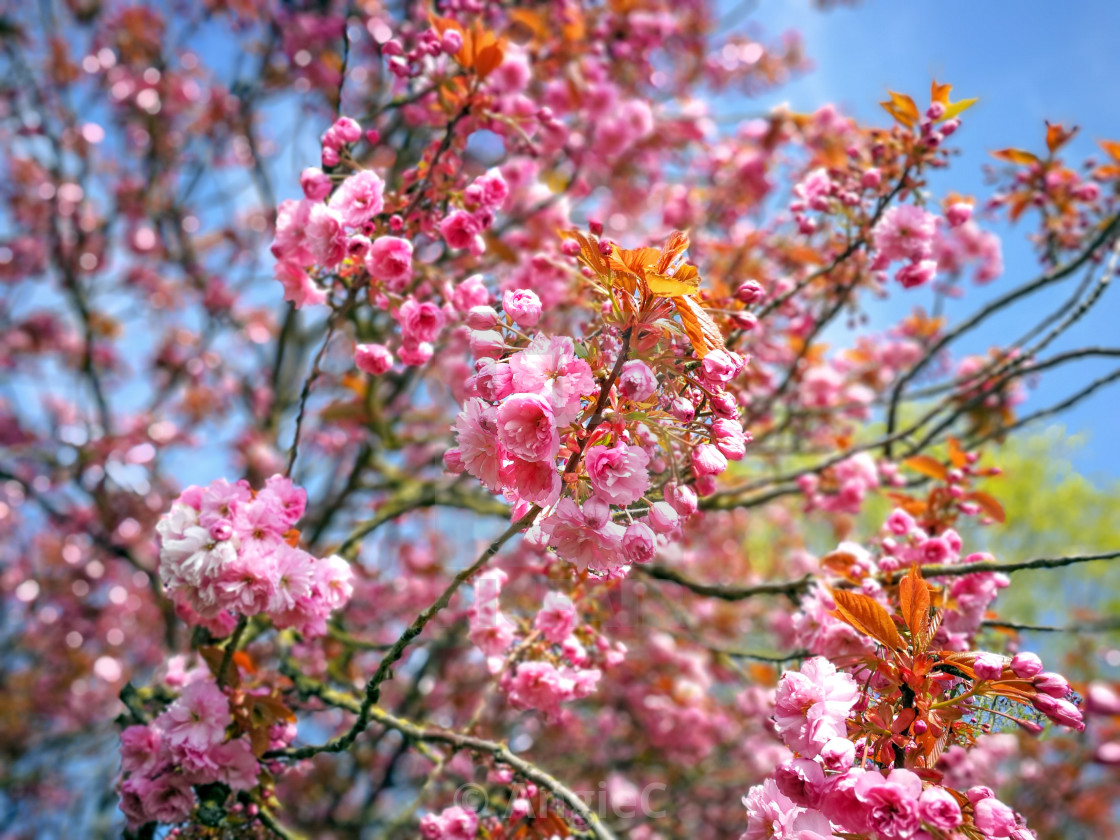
(957, 455)
(1019, 156)
(1056, 136)
(902, 108)
(914, 598)
(939, 93)
(867, 616)
(927, 466)
(844, 564)
(989, 505)
(589, 253)
(702, 331)
(676, 245)
(1111, 148)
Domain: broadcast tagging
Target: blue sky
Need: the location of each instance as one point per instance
(1028, 62)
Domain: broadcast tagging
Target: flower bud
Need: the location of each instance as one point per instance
(707, 460)
(681, 498)
(482, 318)
(638, 543)
(315, 183)
(487, 344)
(988, 666)
(1026, 665)
(636, 381)
(1049, 683)
(523, 306)
(374, 359)
(750, 291)
(662, 518)
(682, 409)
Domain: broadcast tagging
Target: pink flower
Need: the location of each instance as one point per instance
(298, 287)
(493, 189)
(416, 354)
(374, 359)
(597, 547)
(476, 429)
(812, 705)
(325, 238)
(993, 817)
(892, 803)
(237, 766)
(681, 498)
(534, 481)
(141, 749)
(639, 543)
(523, 306)
(548, 366)
(315, 183)
(294, 576)
(419, 321)
(459, 229)
(619, 473)
(290, 242)
(916, 274)
(198, 718)
(801, 780)
(390, 261)
(940, 809)
(246, 584)
(958, 213)
(838, 754)
(636, 382)
(360, 198)
(543, 686)
(490, 630)
(453, 823)
(527, 427)
(168, 798)
(557, 617)
(904, 232)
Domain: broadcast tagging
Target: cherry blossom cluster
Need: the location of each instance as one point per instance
(227, 550)
(546, 664)
(188, 744)
(526, 436)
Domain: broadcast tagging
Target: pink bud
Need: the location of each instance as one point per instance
(487, 344)
(453, 461)
(707, 460)
(681, 498)
(315, 183)
(662, 518)
(958, 213)
(682, 409)
(451, 41)
(523, 306)
(482, 318)
(750, 291)
(1026, 665)
(1049, 683)
(374, 359)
